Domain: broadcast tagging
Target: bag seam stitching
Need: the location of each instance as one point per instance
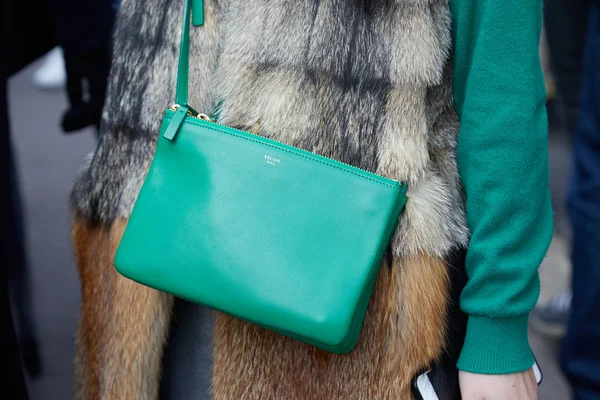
(398, 187)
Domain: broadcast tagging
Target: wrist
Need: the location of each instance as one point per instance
(496, 346)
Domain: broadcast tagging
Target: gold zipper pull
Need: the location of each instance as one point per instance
(192, 113)
(204, 117)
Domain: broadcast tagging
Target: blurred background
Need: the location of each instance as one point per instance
(53, 127)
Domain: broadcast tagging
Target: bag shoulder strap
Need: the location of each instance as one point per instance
(197, 7)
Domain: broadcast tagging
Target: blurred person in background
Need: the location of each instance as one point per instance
(12, 379)
(52, 74)
(30, 37)
(580, 353)
(565, 30)
(575, 46)
(84, 30)
(25, 45)
(81, 61)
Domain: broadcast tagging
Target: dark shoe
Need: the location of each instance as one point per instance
(551, 319)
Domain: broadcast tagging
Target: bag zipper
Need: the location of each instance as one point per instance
(203, 117)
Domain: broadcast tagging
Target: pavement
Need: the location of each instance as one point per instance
(48, 162)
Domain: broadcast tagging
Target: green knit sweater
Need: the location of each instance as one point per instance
(503, 161)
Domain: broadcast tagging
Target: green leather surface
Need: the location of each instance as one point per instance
(173, 127)
(197, 12)
(183, 66)
(271, 234)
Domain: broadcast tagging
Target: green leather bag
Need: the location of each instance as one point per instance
(275, 235)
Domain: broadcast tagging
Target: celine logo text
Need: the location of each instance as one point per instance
(271, 160)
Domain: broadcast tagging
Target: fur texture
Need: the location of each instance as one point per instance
(367, 82)
(122, 325)
(141, 87)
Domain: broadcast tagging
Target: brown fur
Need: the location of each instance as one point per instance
(252, 363)
(122, 322)
(123, 325)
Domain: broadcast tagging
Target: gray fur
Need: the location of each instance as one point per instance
(141, 87)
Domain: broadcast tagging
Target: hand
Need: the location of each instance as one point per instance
(519, 386)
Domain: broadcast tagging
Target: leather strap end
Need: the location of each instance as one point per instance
(175, 124)
(197, 12)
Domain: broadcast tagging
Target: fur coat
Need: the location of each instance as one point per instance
(367, 82)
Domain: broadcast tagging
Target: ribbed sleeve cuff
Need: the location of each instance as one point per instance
(496, 346)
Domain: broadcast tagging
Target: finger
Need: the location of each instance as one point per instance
(531, 385)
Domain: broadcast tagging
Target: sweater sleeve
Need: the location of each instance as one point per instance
(503, 163)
